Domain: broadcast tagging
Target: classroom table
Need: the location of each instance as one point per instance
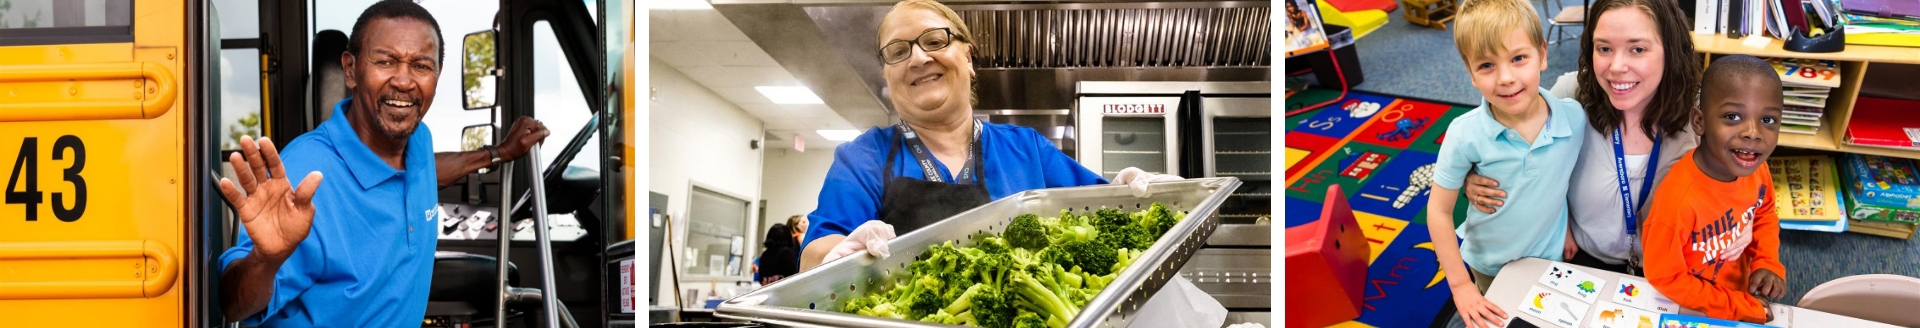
(1517, 277)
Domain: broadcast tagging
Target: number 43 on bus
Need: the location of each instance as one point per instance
(23, 181)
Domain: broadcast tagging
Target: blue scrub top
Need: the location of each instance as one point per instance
(1017, 159)
(368, 260)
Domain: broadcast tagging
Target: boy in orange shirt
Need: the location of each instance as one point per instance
(1713, 239)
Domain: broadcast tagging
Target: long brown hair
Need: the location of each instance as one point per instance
(1671, 108)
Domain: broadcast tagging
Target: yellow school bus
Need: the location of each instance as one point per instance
(95, 132)
(110, 122)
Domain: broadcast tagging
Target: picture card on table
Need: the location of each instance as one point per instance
(1637, 293)
(1615, 315)
(1582, 285)
(1546, 304)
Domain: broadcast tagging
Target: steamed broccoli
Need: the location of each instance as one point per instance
(1092, 257)
(1038, 273)
(1026, 232)
(1029, 320)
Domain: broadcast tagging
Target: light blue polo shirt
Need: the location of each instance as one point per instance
(368, 259)
(1533, 223)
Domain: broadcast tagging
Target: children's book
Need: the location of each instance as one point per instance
(1304, 32)
(1792, 115)
(1800, 121)
(1804, 101)
(1799, 129)
(1806, 72)
(1806, 92)
(1806, 110)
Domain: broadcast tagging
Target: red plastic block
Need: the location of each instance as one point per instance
(1326, 266)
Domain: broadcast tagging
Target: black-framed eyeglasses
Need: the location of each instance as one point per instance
(932, 40)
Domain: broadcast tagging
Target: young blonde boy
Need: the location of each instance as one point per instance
(1521, 136)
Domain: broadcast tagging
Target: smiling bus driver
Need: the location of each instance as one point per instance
(344, 253)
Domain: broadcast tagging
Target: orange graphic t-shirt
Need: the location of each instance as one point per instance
(1704, 237)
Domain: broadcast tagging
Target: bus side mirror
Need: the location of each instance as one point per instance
(476, 136)
(476, 71)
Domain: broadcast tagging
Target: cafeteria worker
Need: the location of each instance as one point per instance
(938, 161)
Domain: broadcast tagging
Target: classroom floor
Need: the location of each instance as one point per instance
(1414, 61)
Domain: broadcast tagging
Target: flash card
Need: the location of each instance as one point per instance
(1582, 285)
(1615, 315)
(1553, 307)
(1637, 293)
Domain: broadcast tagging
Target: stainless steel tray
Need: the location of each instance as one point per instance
(812, 298)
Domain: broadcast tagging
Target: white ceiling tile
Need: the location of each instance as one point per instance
(694, 25)
(793, 124)
(737, 53)
(681, 54)
(712, 51)
(714, 77)
(765, 112)
(664, 25)
(743, 96)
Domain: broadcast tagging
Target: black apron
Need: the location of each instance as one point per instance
(910, 204)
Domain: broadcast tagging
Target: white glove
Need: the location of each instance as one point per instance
(1138, 179)
(1180, 304)
(871, 237)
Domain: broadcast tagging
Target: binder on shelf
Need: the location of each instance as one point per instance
(1897, 9)
(1723, 12)
(1776, 23)
(1702, 21)
(1796, 16)
(1736, 19)
(1881, 122)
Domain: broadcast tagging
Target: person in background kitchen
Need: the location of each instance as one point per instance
(939, 160)
(797, 224)
(777, 259)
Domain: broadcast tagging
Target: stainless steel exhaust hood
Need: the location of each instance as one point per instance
(1029, 55)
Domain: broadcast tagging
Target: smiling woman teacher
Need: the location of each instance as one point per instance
(938, 161)
(1637, 81)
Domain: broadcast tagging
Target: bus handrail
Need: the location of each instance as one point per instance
(155, 280)
(153, 100)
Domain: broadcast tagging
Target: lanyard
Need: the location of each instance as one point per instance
(926, 161)
(1646, 186)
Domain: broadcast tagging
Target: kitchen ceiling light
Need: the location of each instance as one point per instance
(838, 135)
(789, 95)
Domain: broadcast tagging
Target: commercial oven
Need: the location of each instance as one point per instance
(1190, 129)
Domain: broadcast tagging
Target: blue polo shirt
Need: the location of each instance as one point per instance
(1533, 223)
(1017, 159)
(368, 259)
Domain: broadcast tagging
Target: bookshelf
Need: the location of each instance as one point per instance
(1833, 126)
